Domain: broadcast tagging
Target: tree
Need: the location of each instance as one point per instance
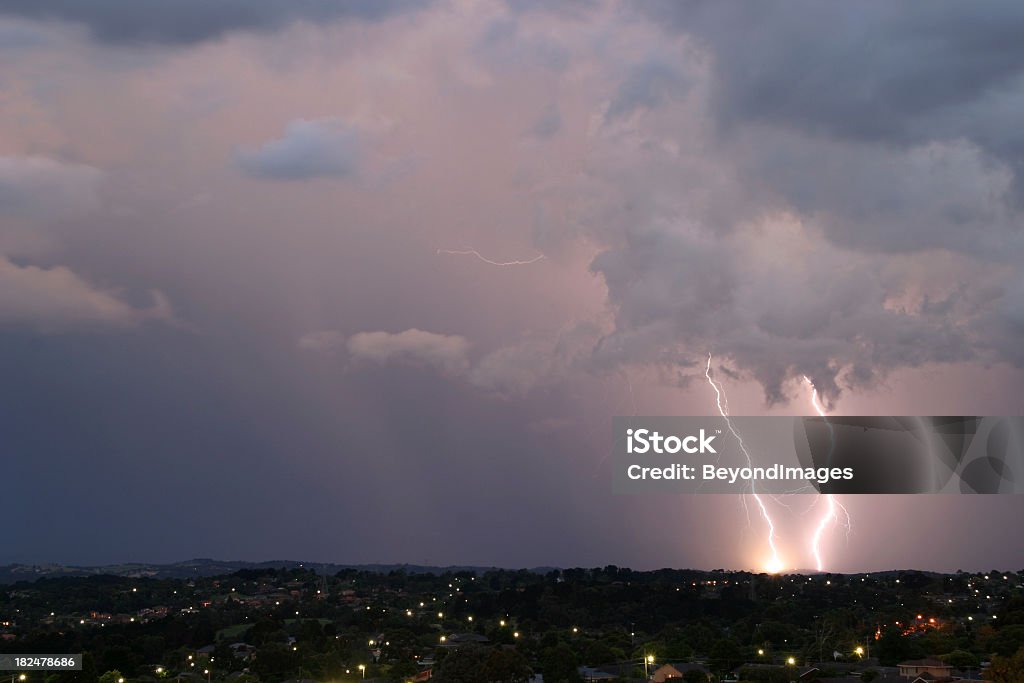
(961, 659)
(1008, 640)
(506, 666)
(403, 669)
(559, 664)
(1007, 669)
(276, 660)
(695, 676)
(893, 648)
(725, 655)
(462, 665)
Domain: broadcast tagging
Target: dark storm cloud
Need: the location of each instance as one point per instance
(339, 390)
(867, 71)
(943, 194)
(182, 22)
(797, 185)
(877, 72)
(820, 316)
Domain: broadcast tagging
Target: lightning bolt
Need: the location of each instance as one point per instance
(477, 254)
(832, 506)
(774, 565)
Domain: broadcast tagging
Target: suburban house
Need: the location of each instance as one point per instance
(932, 666)
(667, 672)
(592, 675)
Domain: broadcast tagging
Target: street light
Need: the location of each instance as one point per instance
(648, 660)
(859, 651)
(362, 670)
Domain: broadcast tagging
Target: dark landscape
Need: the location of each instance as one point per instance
(278, 621)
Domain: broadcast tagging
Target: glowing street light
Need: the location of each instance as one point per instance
(760, 652)
(791, 661)
(859, 651)
(362, 669)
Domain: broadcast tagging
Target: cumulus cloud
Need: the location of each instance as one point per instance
(39, 188)
(445, 352)
(511, 370)
(325, 148)
(818, 191)
(57, 299)
(773, 300)
(183, 22)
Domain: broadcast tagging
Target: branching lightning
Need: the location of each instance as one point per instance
(774, 565)
(477, 254)
(832, 506)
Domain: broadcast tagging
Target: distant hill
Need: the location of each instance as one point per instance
(13, 573)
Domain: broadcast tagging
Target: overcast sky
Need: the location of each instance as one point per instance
(365, 281)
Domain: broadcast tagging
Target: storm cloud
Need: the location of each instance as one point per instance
(400, 262)
(192, 21)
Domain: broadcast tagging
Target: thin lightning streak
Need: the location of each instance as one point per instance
(477, 254)
(775, 564)
(832, 506)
